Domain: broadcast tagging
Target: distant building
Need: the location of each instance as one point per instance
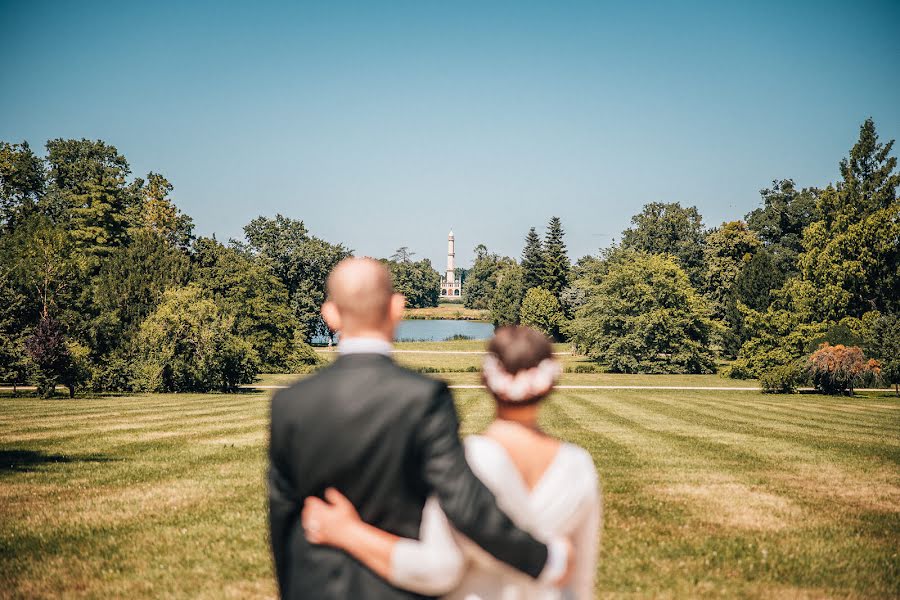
(451, 285)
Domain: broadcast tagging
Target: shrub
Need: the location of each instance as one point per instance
(303, 358)
(188, 344)
(739, 369)
(781, 380)
(115, 373)
(835, 369)
(541, 310)
(458, 337)
(50, 358)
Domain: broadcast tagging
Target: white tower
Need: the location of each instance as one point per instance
(450, 284)
(451, 258)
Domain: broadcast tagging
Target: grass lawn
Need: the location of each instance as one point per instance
(707, 493)
(448, 311)
(459, 360)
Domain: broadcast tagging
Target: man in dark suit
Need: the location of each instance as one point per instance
(387, 438)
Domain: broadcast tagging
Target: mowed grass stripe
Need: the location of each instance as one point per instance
(808, 454)
(156, 406)
(740, 416)
(736, 516)
(797, 412)
(638, 516)
(846, 444)
(816, 477)
(179, 406)
(700, 501)
(130, 427)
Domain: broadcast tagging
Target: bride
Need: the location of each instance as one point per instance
(546, 486)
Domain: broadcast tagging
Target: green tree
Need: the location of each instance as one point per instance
(728, 250)
(89, 177)
(302, 263)
(662, 228)
(13, 366)
(243, 286)
(155, 212)
(188, 344)
(756, 281)
(418, 281)
(507, 299)
(129, 286)
(776, 337)
(532, 261)
(481, 280)
(22, 181)
(402, 255)
(851, 259)
(541, 310)
(780, 222)
(46, 264)
(883, 344)
(754, 289)
(556, 267)
(645, 317)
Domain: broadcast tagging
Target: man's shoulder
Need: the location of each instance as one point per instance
(417, 379)
(414, 384)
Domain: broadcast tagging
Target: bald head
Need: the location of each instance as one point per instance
(362, 296)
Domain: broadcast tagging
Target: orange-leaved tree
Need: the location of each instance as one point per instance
(834, 369)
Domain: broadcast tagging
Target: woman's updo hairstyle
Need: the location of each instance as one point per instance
(519, 367)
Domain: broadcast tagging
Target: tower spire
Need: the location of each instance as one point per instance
(451, 284)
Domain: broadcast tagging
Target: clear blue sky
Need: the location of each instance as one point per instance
(383, 124)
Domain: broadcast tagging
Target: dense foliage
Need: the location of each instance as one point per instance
(481, 280)
(662, 228)
(544, 264)
(418, 281)
(835, 369)
(506, 302)
(104, 287)
(542, 311)
(301, 261)
(189, 344)
(839, 262)
(645, 317)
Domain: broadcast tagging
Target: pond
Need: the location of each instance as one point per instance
(437, 330)
(434, 330)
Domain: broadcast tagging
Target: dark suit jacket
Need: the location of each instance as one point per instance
(387, 438)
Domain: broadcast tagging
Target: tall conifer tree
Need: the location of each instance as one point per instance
(532, 262)
(556, 261)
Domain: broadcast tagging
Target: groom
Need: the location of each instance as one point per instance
(387, 438)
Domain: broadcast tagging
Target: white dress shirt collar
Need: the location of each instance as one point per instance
(365, 345)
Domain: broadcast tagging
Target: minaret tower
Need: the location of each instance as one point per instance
(450, 284)
(451, 258)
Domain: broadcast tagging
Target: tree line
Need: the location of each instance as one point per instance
(104, 286)
(804, 290)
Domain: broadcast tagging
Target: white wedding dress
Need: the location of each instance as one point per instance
(565, 502)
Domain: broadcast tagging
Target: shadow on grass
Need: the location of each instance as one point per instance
(20, 461)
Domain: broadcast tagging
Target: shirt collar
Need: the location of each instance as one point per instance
(365, 345)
